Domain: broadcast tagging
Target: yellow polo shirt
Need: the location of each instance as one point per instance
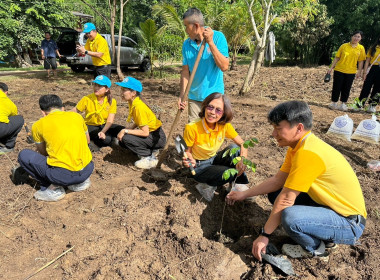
(142, 115)
(204, 141)
(99, 44)
(96, 114)
(349, 57)
(7, 108)
(64, 134)
(374, 56)
(316, 168)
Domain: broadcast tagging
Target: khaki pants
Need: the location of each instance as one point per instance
(194, 109)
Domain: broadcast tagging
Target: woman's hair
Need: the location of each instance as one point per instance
(109, 95)
(358, 32)
(227, 110)
(372, 50)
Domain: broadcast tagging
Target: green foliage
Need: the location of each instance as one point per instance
(249, 164)
(172, 20)
(168, 50)
(23, 23)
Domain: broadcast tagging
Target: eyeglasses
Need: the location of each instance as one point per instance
(211, 108)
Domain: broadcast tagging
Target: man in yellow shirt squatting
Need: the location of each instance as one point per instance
(10, 123)
(316, 195)
(96, 47)
(63, 158)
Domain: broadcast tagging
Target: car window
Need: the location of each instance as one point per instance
(128, 43)
(68, 38)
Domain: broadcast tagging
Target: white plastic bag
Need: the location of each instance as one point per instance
(342, 127)
(368, 131)
(206, 191)
(374, 165)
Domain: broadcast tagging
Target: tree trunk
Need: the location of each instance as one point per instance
(27, 59)
(112, 26)
(256, 62)
(118, 69)
(234, 60)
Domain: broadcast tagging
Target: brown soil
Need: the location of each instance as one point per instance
(130, 226)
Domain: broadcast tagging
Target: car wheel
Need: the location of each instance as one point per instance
(78, 68)
(145, 65)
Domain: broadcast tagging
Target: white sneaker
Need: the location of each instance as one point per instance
(146, 162)
(371, 109)
(155, 153)
(343, 107)
(333, 105)
(52, 193)
(296, 251)
(206, 191)
(81, 186)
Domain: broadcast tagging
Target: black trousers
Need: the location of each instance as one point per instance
(50, 62)
(341, 86)
(103, 70)
(9, 131)
(372, 81)
(111, 133)
(143, 146)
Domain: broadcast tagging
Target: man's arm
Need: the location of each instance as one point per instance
(184, 80)
(41, 148)
(220, 60)
(272, 184)
(284, 200)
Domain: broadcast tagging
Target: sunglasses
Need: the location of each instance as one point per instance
(211, 108)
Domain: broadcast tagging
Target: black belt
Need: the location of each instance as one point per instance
(358, 218)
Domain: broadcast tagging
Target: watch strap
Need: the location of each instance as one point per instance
(263, 233)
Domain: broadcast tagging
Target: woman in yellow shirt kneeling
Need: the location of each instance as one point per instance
(204, 137)
(100, 109)
(144, 134)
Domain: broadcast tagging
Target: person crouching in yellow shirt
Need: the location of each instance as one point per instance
(10, 123)
(204, 137)
(100, 109)
(145, 135)
(63, 157)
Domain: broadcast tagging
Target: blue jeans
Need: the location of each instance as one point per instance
(36, 165)
(309, 223)
(210, 171)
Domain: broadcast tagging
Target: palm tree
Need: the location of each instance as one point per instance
(173, 20)
(149, 35)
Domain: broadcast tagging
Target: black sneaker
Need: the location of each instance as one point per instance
(19, 176)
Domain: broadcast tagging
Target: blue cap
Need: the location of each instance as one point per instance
(88, 27)
(102, 80)
(131, 83)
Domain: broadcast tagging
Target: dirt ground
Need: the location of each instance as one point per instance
(129, 226)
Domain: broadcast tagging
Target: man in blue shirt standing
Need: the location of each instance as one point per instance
(209, 76)
(49, 50)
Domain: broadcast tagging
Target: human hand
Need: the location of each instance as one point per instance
(120, 135)
(358, 74)
(235, 196)
(208, 34)
(329, 71)
(186, 160)
(102, 135)
(181, 104)
(80, 49)
(259, 246)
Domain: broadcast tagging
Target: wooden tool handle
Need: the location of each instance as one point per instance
(190, 164)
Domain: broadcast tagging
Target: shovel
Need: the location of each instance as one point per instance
(181, 147)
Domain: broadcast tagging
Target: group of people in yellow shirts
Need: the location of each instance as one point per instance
(316, 205)
(348, 65)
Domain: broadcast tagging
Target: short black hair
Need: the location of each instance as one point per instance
(3, 87)
(227, 110)
(356, 32)
(194, 15)
(294, 112)
(47, 32)
(50, 101)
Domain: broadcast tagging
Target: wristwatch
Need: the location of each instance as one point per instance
(263, 233)
(126, 131)
(86, 52)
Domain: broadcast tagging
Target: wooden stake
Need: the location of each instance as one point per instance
(178, 116)
(49, 263)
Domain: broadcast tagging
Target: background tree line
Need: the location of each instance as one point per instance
(307, 31)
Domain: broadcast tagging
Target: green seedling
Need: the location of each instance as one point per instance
(357, 104)
(249, 164)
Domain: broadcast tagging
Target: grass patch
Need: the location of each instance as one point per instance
(40, 67)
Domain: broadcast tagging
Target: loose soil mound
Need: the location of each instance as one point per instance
(128, 225)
